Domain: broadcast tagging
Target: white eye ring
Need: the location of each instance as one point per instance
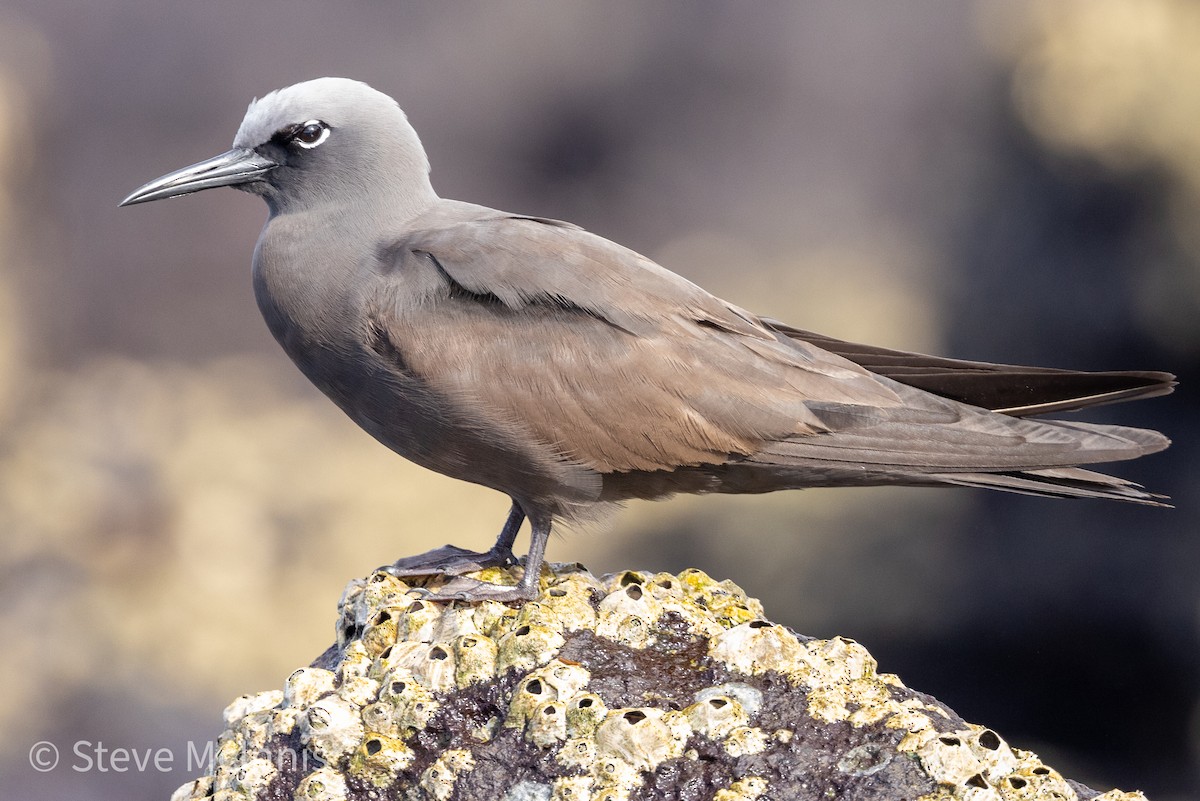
(306, 129)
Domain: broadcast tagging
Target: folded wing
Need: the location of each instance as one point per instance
(616, 363)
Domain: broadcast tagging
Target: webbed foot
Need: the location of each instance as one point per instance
(449, 560)
(463, 588)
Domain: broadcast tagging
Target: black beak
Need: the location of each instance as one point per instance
(238, 166)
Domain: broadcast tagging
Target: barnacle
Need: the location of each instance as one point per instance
(584, 713)
(716, 716)
(306, 685)
(547, 726)
(323, 784)
(474, 659)
(527, 646)
(439, 778)
(379, 758)
(332, 728)
(637, 737)
(254, 775)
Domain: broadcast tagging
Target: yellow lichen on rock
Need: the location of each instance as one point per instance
(750, 788)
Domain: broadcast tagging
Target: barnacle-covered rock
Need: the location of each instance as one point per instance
(629, 686)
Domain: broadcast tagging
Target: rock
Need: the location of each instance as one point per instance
(630, 686)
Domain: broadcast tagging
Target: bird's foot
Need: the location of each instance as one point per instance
(449, 560)
(472, 590)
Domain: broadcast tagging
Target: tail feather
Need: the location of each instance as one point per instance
(1014, 390)
(895, 443)
(991, 451)
(1061, 482)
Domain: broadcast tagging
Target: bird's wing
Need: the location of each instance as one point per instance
(523, 261)
(597, 352)
(1014, 390)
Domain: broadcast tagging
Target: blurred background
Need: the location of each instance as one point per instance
(1007, 181)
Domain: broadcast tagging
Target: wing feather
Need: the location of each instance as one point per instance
(1015, 390)
(603, 355)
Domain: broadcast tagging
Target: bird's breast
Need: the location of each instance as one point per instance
(327, 310)
(292, 288)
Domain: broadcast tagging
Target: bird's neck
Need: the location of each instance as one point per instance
(364, 206)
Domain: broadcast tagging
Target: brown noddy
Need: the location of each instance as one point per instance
(564, 370)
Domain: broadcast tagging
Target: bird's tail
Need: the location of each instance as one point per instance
(1058, 482)
(1034, 457)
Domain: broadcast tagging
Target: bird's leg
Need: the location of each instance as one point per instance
(464, 588)
(450, 560)
(502, 549)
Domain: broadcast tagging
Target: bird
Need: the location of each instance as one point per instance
(528, 355)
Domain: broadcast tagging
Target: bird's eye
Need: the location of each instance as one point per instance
(311, 134)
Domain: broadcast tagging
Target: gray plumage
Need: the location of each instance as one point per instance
(564, 370)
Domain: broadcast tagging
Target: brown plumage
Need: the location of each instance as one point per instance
(564, 370)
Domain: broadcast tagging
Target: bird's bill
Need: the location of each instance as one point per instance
(237, 166)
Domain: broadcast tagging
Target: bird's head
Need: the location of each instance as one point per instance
(326, 141)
